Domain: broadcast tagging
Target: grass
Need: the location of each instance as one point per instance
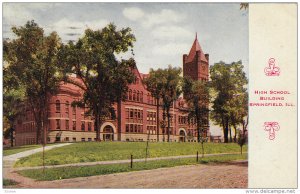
(15, 150)
(103, 151)
(9, 182)
(84, 171)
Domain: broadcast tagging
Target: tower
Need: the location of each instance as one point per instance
(195, 64)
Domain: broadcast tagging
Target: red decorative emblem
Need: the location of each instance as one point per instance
(271, 127)
(272, 70)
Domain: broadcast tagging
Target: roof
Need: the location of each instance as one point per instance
(196, 47)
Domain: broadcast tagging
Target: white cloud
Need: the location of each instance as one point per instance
(165, 16)
(172, 32)
(72, 30)
(133, 13)
(16, 14)
(170, 49)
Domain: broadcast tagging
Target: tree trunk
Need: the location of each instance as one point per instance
(230, 136)
(241, 150)
(226, 131)
(97, 127)
(11, 131)
(164, 121)
(119, 118)
(235, 131)
(168, 119)
(198, 131)
(157, 118)
(38, 131)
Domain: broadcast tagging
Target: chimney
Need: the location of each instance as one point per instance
(207, 57)
(184, 58)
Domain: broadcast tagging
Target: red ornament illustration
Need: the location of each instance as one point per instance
(271, 127)
(272, 70)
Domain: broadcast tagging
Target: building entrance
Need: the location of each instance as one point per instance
(108, 133)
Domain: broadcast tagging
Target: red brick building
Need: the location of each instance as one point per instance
(137, 118)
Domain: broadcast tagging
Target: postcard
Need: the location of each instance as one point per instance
(150, 95)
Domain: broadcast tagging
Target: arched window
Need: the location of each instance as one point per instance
(57, 105)
(134, 95)
(67, 108)
(130, 95)
(138, 96)
(141, 97)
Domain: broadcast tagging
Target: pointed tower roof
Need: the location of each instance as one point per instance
(196, 47)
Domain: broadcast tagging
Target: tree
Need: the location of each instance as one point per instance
(103, 78)
(32, 61)
(228, 83)
(244, 6)
(155, 83)
(197, 96)
(170, 92)
(242, 140)
(13, 97)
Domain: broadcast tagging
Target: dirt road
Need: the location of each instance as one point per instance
(230, 175)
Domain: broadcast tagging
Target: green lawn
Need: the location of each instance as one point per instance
(9, 182)
(95, 151)
(84, 171)
(15, 150)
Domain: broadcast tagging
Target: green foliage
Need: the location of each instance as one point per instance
(244, 6)
(197, 96)
(85, 171)
(229, 93)
(171, 91)
(32, 67)
(155, 82)
(102, 77)
(93, 151)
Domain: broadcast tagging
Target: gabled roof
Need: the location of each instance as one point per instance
(196, 47)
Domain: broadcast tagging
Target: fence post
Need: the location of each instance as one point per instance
(131, 161)
(197, 156)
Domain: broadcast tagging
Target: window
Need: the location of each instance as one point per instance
(89, 126)
(148, 98)
(74, 125)
(57, 124)
(134, 95)
(89, 139)
(82, 139)
(82, 126)
(57, 105)
(67, 124)
(74, 110)
(130, 95)
(141, 97)
(67, 139)
(74, 138)
(127, 128)
(131, 113)
(138, 96)
(67, 108)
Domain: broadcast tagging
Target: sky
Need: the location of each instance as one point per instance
(164, 31)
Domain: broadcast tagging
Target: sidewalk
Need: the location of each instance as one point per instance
(122, 161)
(15, 157)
